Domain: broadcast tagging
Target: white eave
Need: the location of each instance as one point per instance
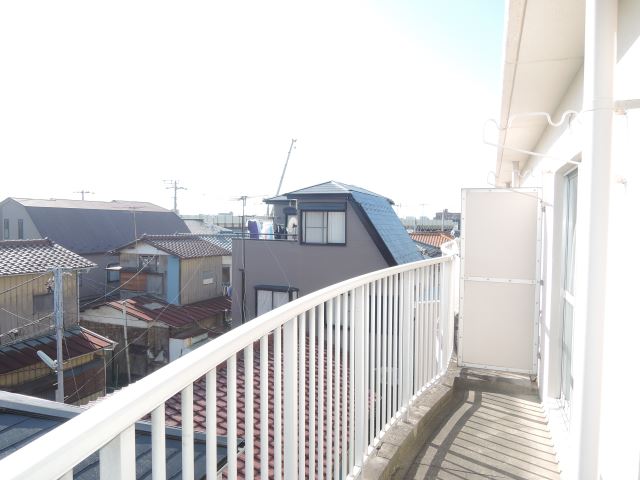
(544, 50)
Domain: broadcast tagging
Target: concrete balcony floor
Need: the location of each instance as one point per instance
(497, 429)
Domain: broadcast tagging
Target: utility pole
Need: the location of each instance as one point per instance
(58, 295)
(244, 258)
(82, 192)
(126, 338)
(173, 184)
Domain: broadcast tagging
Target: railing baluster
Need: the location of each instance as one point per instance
(264, 407)
(302, 383)
(345, 386)
(290, 352)
(321, 389)
(158, 455)
(277, 403)
(338, 387)
(359, 380)
(211, 423)
(232, 428)
(417, 305)
(429, 321)
(386, 354)
(186, 399)
(311, 314)
(372, 360)
(378, 364)
(118, 457)
(395, 345)
(330, 344)
(248, 413)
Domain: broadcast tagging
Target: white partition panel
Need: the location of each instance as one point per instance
(500, 272)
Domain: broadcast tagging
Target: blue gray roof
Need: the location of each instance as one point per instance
(96, 227)
(328, 188)
(23, 419)
(394, 241)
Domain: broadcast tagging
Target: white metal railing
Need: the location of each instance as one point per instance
(346, 363)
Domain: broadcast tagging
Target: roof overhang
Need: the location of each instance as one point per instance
(544, 50)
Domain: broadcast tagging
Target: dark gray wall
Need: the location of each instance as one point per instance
(306, 267)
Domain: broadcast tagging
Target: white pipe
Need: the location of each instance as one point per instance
(592, 223)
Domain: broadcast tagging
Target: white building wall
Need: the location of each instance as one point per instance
(619, 452)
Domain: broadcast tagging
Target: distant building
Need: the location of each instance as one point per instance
(26, 324)
(321, 235)
(89, 228)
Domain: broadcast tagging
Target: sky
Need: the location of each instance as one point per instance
(118, 97)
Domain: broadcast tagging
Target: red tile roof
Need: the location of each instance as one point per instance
(77, 341)
(182, 246)
(151, 309)
(20, 257)
(435, 239)
(174, 416)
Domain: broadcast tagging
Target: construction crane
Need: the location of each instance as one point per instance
(284, 170)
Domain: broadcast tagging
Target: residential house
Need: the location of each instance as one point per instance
(26, 323)
(89, 228)
(173, 289)
(322, 234)
(430, 242)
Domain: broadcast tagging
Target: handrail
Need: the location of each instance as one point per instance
(54, 454)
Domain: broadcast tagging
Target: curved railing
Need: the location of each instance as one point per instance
(332, 371)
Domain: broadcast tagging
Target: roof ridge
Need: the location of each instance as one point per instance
(33, 242)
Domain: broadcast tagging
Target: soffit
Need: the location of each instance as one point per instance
(543, 53)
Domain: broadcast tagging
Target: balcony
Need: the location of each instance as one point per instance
(311, 389)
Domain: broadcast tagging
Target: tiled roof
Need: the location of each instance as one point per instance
(435, 239)
(77, 341)
(151, 309)
(174, 416)
(182, 246)
(20, 257)
(223, 240)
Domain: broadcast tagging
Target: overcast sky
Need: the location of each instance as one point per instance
(115, 97)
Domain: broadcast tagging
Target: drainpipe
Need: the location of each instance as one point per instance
(594, 182)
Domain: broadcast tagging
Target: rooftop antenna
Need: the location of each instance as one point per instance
(173, 184)
(82, 192)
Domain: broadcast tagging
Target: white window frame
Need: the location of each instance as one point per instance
(328, 236)
(270, 304)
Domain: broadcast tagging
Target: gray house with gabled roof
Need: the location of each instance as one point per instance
(89, 228)
(323, 234)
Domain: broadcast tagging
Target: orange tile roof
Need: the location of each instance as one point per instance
(435, 239)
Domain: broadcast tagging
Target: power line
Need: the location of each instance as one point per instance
(24, 283)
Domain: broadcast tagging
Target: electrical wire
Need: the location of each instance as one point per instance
(153, 323)
(24, 283)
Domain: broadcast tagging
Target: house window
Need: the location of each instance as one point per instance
(269, 297)
(7, 230)
(226, 275)
(148, 263)
(113, 273)
(324, 227)
(42, 304)
(20, 228)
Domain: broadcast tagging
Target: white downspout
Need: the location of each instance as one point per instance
(594, 181)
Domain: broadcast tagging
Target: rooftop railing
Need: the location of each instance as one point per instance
(319, 382)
